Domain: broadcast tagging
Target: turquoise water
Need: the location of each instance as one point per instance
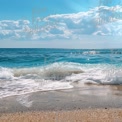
(24, 71)
(39, 57)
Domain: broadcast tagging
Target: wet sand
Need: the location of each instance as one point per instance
(88, 103)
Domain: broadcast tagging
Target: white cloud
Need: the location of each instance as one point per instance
(13, 29)
(102, 21)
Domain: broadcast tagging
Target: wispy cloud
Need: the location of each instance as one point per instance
(103, 20)
(13, 29)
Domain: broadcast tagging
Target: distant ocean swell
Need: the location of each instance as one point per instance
(37, 57)
(55, 76)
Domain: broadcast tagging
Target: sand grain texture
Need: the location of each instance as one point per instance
(97, 115)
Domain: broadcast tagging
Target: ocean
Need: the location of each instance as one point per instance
(24, 71)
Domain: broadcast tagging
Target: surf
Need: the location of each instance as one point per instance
(56, 76)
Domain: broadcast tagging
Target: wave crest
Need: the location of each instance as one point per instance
(56, 71)
(56, 76)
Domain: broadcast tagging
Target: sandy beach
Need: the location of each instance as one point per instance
(95, 115)
(91, 104)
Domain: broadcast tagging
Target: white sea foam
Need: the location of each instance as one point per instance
(24, 100)
(90, 52)
(55, 76)
(99, 75)
(6, 73)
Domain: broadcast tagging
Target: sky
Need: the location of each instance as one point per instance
(60, 24)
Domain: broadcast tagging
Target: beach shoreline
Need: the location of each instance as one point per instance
(91, 103)
(87, 97)
(88, 103)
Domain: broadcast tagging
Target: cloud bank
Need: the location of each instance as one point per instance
(103, 21)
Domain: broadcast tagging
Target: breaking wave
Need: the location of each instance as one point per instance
(14, 81)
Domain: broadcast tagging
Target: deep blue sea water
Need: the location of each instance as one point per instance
(30, 70)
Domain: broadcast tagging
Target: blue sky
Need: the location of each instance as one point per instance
(17, 9)
(61, 23)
